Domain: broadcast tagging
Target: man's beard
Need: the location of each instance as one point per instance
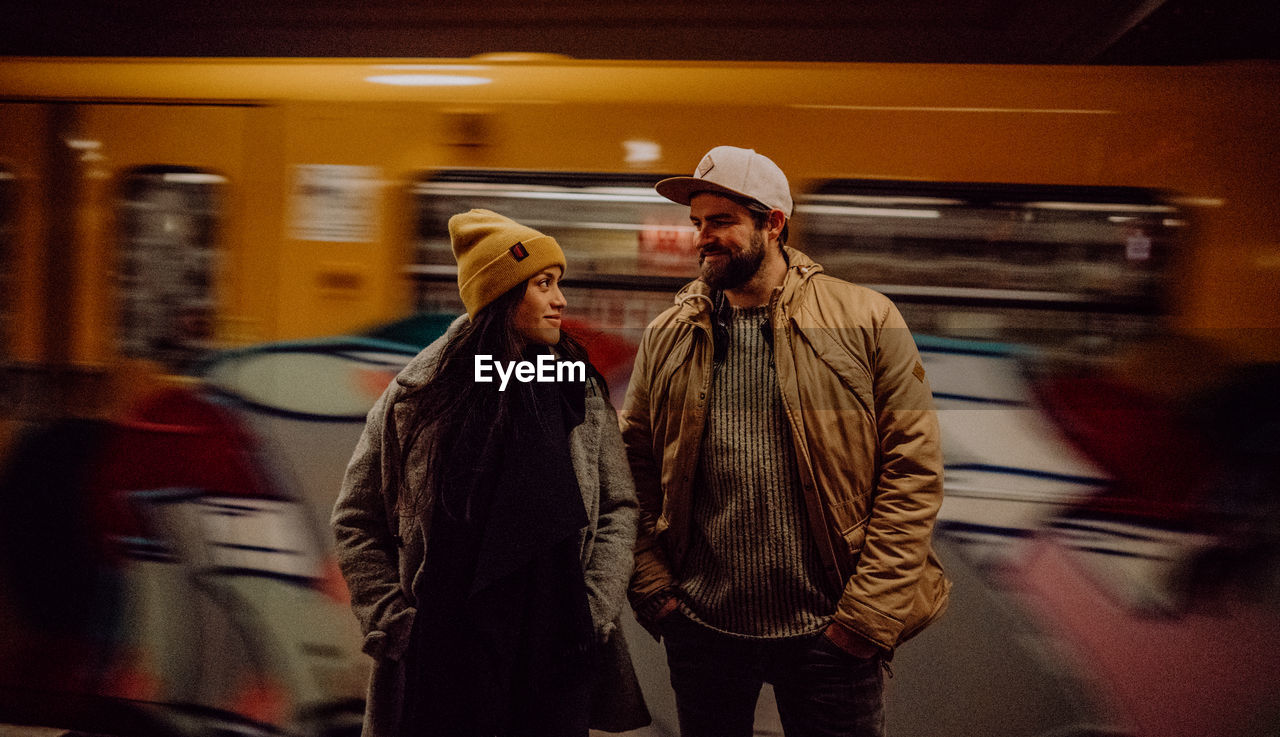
(738, 268)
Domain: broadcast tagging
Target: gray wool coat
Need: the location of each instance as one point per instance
(381, 551)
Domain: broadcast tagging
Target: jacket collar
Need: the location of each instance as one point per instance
(800, 269)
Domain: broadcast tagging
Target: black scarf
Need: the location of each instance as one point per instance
(500, 644)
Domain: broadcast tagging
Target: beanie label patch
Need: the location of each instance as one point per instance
(519, 252)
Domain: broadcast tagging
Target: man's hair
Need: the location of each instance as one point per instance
(759, 213)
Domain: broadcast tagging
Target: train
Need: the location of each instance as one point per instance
(246, 250)
(308, 189)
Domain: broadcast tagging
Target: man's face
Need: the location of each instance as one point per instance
(730, 247)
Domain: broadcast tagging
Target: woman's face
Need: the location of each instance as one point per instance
(538, 315)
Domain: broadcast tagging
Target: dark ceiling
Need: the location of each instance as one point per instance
(979, 31)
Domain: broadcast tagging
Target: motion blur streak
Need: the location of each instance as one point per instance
(209, 270)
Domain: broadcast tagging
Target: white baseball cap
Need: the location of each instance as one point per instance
(733, 170)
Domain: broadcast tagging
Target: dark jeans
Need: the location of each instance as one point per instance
(821, 690)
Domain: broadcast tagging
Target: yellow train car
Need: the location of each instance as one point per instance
(295, 192)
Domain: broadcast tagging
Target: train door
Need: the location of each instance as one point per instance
(160, 207)
(116, 221)
(23, 203)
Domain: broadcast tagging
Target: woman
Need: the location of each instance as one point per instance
(486, 533)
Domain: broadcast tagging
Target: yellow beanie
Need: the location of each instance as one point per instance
(496, 253)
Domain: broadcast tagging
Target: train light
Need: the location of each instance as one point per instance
(428, 80)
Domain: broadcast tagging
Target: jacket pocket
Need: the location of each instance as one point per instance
(390, 638)
(850, 518)
(855, 536)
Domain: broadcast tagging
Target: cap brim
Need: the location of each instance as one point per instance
(682, 189)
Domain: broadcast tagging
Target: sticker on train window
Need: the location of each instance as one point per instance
(333, 203)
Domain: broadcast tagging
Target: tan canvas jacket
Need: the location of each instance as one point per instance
(866, 442)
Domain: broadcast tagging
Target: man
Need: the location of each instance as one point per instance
(786, 456)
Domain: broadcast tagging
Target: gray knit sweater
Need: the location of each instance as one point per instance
(753, 567)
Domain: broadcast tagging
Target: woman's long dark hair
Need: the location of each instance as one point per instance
(452, 404)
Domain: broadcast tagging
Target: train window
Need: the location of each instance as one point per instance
(1049, 265)
(628, 248)
(169, 219)
(8, 265)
